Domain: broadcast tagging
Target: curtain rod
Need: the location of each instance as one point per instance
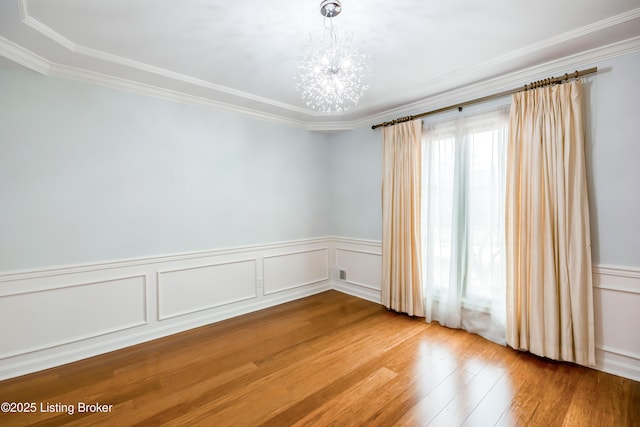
(533, 85)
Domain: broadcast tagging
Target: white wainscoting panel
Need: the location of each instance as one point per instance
(44, 318)
(294, 269)
(362, 268)
(616, 299)
(55, 316)
(192, 289)
(362, 262)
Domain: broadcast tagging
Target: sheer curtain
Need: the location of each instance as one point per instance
(401, 288)
(463, 223)
(549, 282)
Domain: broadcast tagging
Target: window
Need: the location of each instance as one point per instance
(463, 222)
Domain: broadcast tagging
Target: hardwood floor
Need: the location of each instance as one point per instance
(329, 359)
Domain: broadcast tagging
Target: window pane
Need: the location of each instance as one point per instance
(485, 213)
(463, 222)
(439, 185)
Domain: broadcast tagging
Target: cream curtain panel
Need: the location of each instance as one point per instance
(401, 235)
(549, 289)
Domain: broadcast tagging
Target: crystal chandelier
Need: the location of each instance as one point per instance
(329, 71)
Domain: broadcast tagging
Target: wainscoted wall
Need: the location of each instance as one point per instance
(55, 316)
(361, 261)
(52, 311)
(51, 317)
(616, 298)
(290, 270)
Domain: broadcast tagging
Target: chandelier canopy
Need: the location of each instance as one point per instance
(330, 71)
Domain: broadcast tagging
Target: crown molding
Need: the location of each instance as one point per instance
(506, 82)
(307, 119)
(535, 47)
(68, 44)
(461, 94)
(49, 33)
(24, 57)
(92, 77)
(130, 63)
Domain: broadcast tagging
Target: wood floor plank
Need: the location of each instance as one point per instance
(492, 406)
(468, 397)
(407, 404)
(633, 404)
(403, 361)
(339, 408)
(329, 359)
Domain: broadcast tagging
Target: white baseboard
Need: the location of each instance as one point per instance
(616, 294)
(618, 362)
(357, 291)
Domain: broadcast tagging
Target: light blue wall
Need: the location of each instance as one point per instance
(612, 101)
(356, 177)
(613, 160)
(92, 174)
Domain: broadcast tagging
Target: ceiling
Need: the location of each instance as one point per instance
(240, 56)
